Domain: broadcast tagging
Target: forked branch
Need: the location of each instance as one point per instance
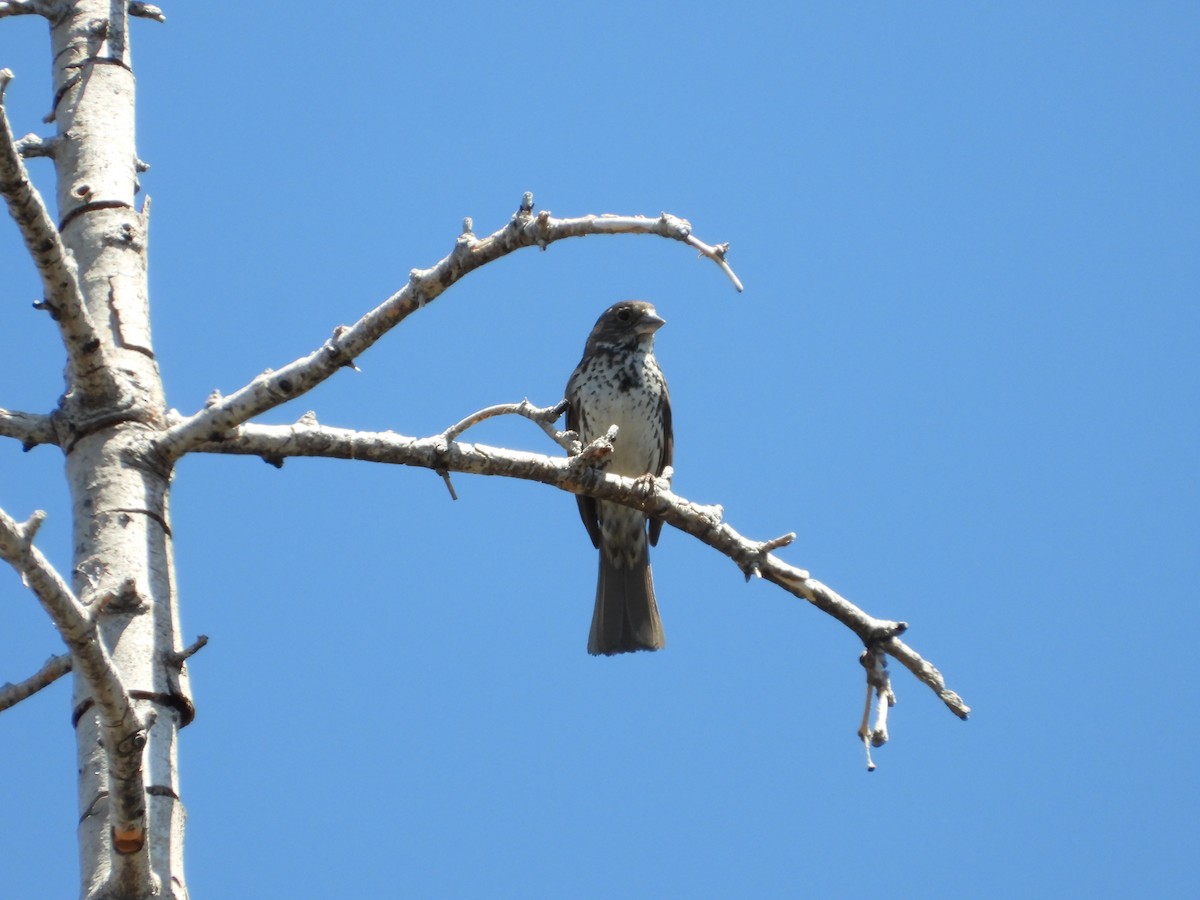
(526, 229)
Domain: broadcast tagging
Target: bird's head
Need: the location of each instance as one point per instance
(627, 324)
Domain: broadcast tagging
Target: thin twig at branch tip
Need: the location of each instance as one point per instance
(146, 11)
(53, 669)
(717, 255)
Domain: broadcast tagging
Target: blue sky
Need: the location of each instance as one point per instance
(963, 371)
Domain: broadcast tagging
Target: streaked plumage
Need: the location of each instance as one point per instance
(618, 382)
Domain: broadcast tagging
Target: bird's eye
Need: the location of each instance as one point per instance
(624, 315)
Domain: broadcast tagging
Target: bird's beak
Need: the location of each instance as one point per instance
(650, 323)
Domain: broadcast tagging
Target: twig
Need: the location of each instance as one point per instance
(879, 688)
(275, 387)
(33, 145)
(24, 8)
(717, 255)
(544, 417)
(55, 668)
(578, 474)
(146, 11)
(179, 657)
(30, 429)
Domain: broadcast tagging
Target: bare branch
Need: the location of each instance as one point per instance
(24, 8)
(178, 658)
(273, 388)
(879, 686)
(717, 255)
(578, 475)
(60, 277)
(544, 417)
(30, 429)
(33, 145)
(124, 731)
(141, 10)
(55, 668)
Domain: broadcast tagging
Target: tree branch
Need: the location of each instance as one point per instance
(124, 731)
(146, 11)
(577, 475)
(60, 277)
(34, 145)
(30, 429)
(24, 8)
(55, 668)
(526, 229)
(543, 417)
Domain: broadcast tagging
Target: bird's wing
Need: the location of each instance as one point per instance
(668, 456)
(587, 505)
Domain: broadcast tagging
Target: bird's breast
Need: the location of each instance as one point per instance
(630, 397)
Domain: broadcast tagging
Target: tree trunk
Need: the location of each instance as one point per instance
(112, 407)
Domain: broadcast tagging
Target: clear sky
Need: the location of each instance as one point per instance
(964, 371)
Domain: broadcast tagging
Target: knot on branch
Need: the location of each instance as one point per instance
(674, 226)
(335, 351)
(751, 561)
(596, 454)
(542, 229)
(121, 598)
(418, 283)
(525, 211)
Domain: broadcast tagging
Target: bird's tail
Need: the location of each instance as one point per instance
(626, 614)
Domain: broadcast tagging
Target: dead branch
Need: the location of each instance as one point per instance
(525, 229)
(55, 668)
(124, 731)
(60, 277)
(30, 429)
(578, 475)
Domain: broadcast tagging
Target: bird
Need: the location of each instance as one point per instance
(618, 382)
